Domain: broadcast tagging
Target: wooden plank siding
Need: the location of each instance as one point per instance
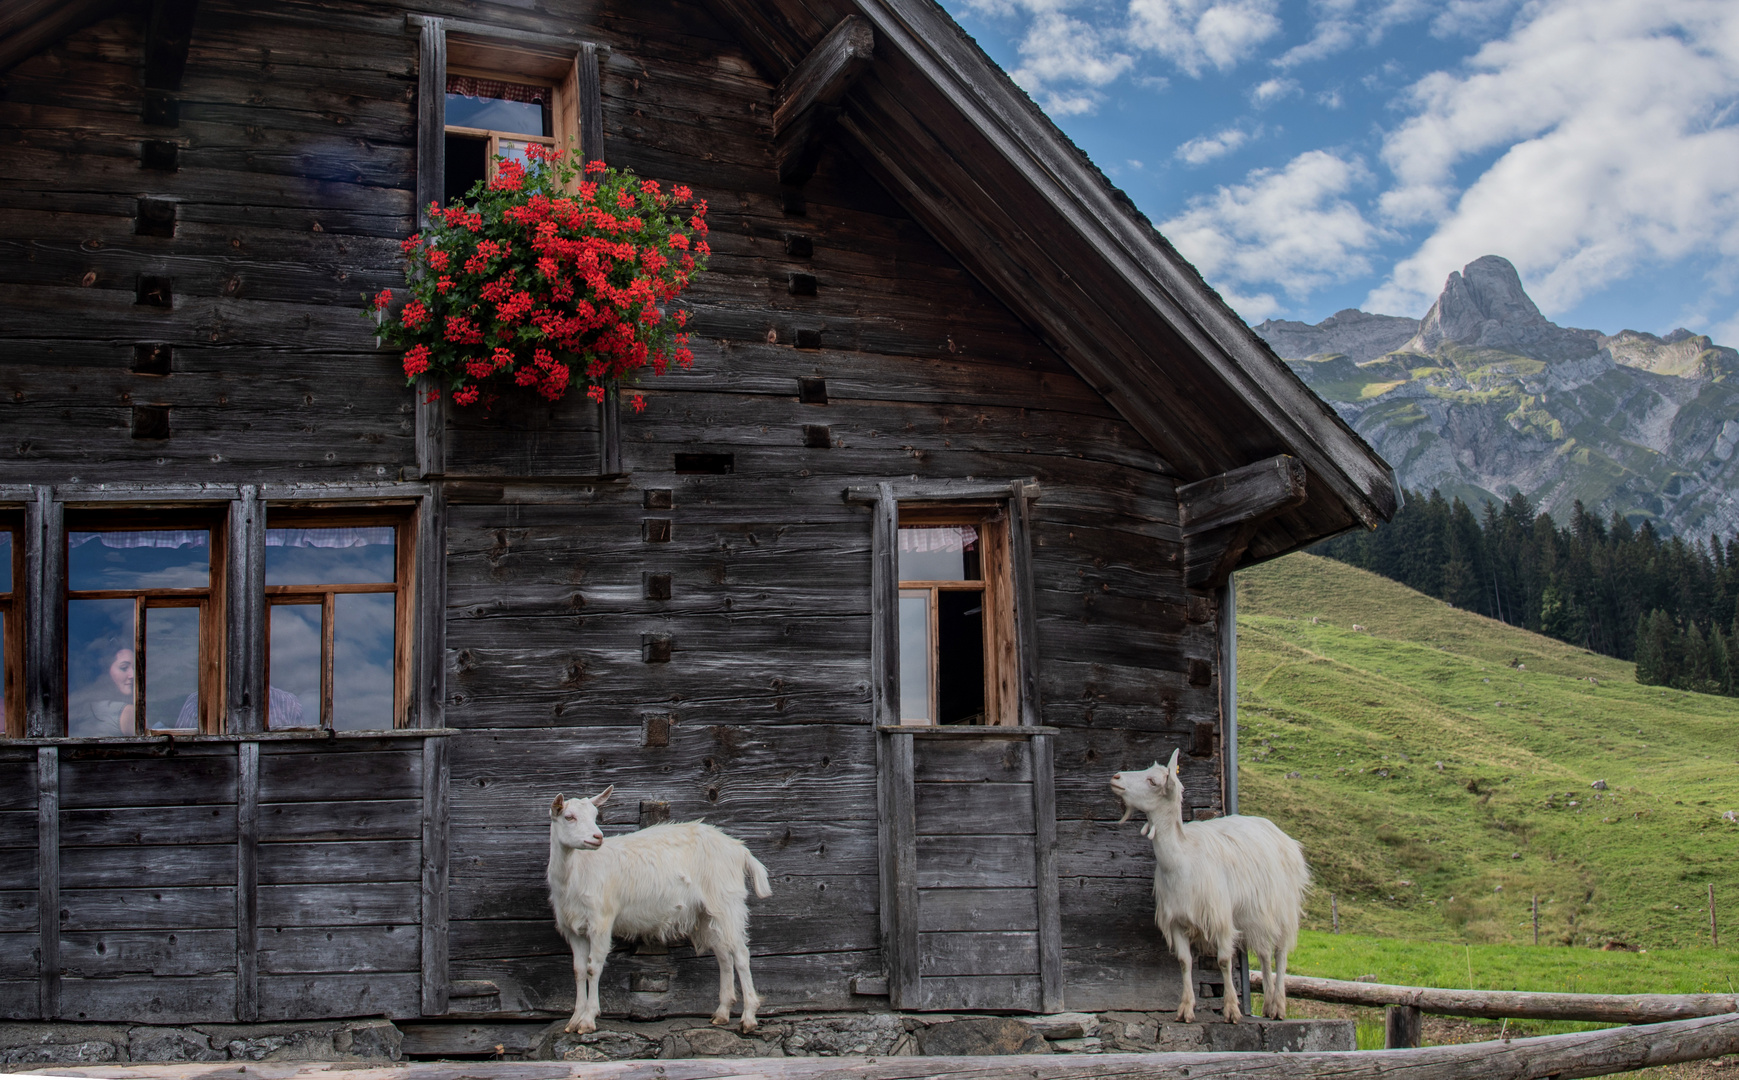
(298, 173)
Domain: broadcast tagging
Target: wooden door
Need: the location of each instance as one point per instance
(969, 886)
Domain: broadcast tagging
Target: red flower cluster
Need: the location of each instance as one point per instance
(543, 280)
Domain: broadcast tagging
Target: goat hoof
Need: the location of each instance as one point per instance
(580, 1027)
(1185, 1017)
(750, 1024)
(721, 1020)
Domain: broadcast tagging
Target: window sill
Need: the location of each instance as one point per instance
(304, 735)
(968, 731)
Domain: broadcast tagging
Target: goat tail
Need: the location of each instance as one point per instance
(758, 874)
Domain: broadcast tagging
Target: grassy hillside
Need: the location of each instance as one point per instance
(1437, 766)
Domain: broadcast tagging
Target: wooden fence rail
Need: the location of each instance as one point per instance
(1513, 1005)
(1588, 1053)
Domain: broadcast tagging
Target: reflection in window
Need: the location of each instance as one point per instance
(136, 600)
(332, 637)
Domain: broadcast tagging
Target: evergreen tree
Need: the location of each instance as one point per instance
(1654, 649)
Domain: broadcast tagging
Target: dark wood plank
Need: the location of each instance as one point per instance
(387, 819)
(1257, 490)
(975, 862)
(112, 781)
(431, 122)
(884, 605)
(18, 868)
(1045, 868)
(153, 825)
(337, 862)
(1026, 618)
(113, 953)
(591, 106)
(337, 950)
(430, 693)
(18, 783)
(977, 909)
(436, 774)
(973, 761)
(979, 952)
(18, 911)
(147, 999)
(808, 99)
(1003, 809)
(972, 993)
(186, 907)
(49, 894)
(247, 875)
(18, 827)
(178, 865)
(297, 997)
(336, 777)
(244, 643)
(44, 673)
(900, 868)
(393, 904)
(18, 962)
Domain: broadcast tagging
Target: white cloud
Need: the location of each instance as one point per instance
(1615, 147)
(1293, 228)
(1330, 99)
(1060, 49)
(1196, 34)
(1205, 148)
(1268, 92)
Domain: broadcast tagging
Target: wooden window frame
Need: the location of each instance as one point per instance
(403, 522)
(12, 606)
(210, 600)
(561, 77)
(1001, 700)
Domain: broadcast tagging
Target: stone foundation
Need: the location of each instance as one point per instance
(820, 1035)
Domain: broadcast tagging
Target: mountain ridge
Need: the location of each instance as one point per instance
(1484, 397)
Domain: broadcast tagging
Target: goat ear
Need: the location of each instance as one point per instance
(603, 797)
(555, 808)
(1171, 766)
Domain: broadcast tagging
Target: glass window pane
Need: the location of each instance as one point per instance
(4, 666)
(495, 114)
(362, 661)
(949, 553)
(294, 695)
(172, 668)
(5, 562)
(99, 667)
(335, 556)
(960, 657)
(915, 655)
(139, 559)
(467, 163)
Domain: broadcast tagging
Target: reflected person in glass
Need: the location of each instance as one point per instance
(110, 711)
(285, 710)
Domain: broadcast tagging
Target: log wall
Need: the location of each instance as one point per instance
(295, 180)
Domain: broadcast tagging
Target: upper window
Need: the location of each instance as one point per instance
(11, 630)
(956, 618)
(142, 642)
(492, 118)
(336, 632)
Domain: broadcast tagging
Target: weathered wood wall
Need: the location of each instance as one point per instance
(294, 184)
(213, 880)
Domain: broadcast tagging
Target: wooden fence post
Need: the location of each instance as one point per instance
(1402, 1025)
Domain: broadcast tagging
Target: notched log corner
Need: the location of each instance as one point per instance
(1220, 515)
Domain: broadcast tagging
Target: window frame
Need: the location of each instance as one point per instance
(211, 602)
(990, 519)
(12, 606)
(1017, 671)
(403, 522)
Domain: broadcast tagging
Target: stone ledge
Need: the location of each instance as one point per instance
(89, 1044)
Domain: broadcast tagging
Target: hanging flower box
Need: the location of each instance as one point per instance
(545, 279)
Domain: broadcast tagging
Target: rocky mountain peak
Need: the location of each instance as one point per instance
(1484, 306)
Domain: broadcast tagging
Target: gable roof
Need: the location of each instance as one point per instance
(979, 165)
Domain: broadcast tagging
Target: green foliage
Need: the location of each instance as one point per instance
(1623, 591)
(1522, 725)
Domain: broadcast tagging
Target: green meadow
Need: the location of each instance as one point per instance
(1442, 771)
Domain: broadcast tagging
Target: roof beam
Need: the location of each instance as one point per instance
(808, 99)
(167, 38)
(1220, 515)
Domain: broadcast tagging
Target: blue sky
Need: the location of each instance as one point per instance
(1314, 155)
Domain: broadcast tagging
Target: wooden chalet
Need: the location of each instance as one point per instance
(935, 535)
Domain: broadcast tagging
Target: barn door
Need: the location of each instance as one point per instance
(969, 885)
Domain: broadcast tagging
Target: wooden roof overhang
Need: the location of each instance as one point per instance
(982, 168)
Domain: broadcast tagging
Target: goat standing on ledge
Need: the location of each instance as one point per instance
(1217, 881)
(659, 884)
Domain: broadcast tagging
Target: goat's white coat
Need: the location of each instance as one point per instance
(662, 883)
(1217, 882)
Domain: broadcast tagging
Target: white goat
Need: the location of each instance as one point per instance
(659, 884)
(1216, 882)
